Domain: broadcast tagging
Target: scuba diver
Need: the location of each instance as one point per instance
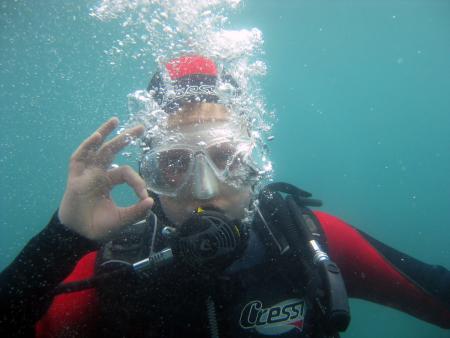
(204, 252)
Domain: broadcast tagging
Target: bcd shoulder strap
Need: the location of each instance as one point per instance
(273, 218)
(295, 233)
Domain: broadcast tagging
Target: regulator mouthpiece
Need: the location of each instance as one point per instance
(209, 240)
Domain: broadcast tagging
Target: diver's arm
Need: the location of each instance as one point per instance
(378, 273)
(26, 285)
(88, 214)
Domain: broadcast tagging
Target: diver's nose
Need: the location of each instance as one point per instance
(205, 181)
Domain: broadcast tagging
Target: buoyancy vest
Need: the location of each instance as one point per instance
(138, 242)
(80, 312)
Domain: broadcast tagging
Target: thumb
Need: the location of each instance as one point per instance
(136, 212)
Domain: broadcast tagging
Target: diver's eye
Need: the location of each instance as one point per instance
(222, 154)
(237, 162)
(174, 164)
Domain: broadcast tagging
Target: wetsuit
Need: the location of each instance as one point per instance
(254, 297)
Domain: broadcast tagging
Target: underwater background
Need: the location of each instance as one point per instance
(361, 91)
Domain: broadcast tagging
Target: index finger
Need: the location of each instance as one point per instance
(96, 139)
(109, 149)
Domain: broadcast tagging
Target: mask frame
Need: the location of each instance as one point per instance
(167, 169)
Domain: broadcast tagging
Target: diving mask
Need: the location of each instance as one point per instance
(199, 160)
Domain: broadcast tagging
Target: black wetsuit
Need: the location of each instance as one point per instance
(254, 297)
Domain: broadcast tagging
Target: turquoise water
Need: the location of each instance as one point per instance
(361, 90)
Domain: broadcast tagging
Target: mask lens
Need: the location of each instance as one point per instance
(229, 157)
(167, 170)
(222, 154)
(174, 165)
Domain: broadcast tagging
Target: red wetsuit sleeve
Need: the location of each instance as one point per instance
(71, 314)
(371, 271)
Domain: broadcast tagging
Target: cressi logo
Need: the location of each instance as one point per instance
(274, 320)
(194, 90)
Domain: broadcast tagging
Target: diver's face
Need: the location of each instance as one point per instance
(205, 126)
